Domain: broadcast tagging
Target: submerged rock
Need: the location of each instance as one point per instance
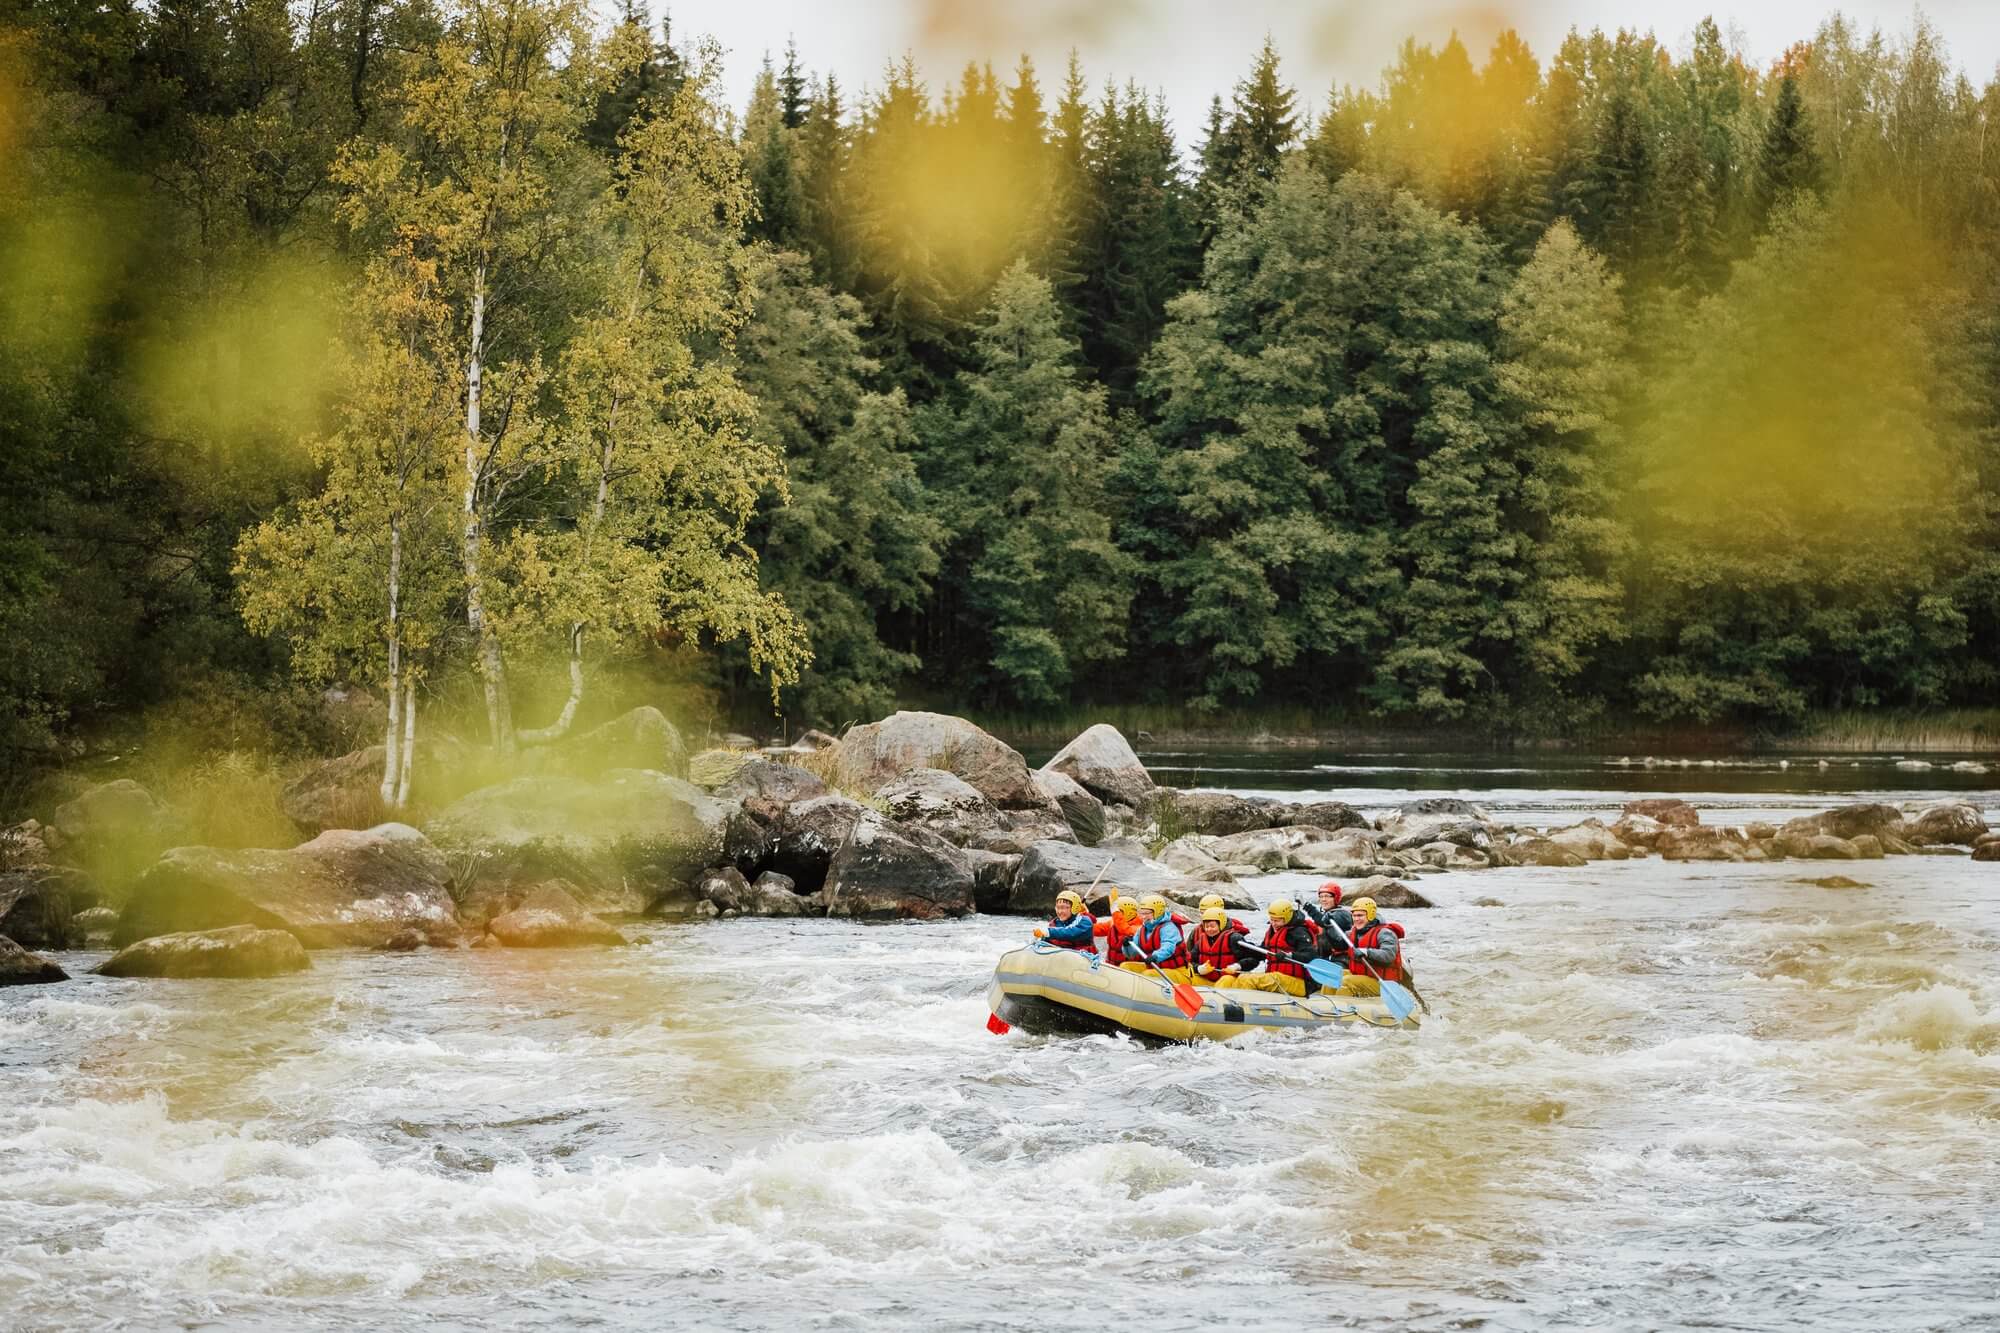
(550, 917)
(345, 887)
(19, 967)
(1101, 761)
(235, 951)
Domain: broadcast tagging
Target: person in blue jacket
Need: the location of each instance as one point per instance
(1071, 926)
(1161, 942)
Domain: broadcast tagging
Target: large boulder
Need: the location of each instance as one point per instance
(1814, 846)
(1943, 823)
(628, 842)
(1101, 761)
(1335, 815)
(342, 792)
(1433, 819)
(1702, 842)
(1671, 811)
(1214, 813)
(1388, 893)
(889, 872)
(235, 951)
(1986, 851)
(1021, 829)
(38, 905)
(1189, 858)
(871, 755)
(641, 738)
(550, 917)
(1592, 841)
(1050, 867)
(1538, 852)
(345, 887)
(1347, 851)
(765, 788)
(114, 830)
(1641, 831)
(1846, 822)
(992, 878)
(19, 967)
(1083, 812)
(1421, 831)
(943, 803)
(806, 836)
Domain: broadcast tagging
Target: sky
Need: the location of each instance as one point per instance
(1191, 49)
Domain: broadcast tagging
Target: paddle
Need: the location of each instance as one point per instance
(1401, 1003)
(1185, 998)
(1328, 975)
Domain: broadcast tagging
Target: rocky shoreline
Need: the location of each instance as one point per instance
(918, 816)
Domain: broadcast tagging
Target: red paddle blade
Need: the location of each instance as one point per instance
(1185, 998)
(997, 1025)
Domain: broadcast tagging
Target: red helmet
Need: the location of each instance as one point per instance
(1332, 888)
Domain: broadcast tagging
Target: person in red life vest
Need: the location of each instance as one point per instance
(1289, 947)
(1378, 944)
(1071, 926)
(1159, 942)
(1328, 913)
(1214, 948)
(1121, 925)
(1215, 900)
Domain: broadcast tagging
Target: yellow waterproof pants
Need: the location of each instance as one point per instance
(1358, 983)
(1177, 975)
(1271, 981)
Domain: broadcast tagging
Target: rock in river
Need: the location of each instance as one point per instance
(237, 951)
(887, 872)
(550, 917)
(1050, 867)
(871, 755)
(345, 887)
(1102, 762)
(18, 967)
(631, 841)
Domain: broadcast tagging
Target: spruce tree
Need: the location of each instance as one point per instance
(1787, 164)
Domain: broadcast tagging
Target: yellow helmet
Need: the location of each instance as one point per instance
(1072, 897)
(1215, 914)
(1155, 904)
(1209, 900)
(1280, 910)
(1363, 909)
(1125, 907)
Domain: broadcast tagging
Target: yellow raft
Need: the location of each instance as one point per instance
(1044, 989)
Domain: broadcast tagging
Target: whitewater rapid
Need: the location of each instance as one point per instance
(1652, 1095)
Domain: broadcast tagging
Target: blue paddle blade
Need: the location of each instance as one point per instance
(1401, 1003)
(1328, 975)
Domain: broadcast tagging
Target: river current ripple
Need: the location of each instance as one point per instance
(1652, 1096)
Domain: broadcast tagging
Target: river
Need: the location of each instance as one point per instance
(1653, 1095)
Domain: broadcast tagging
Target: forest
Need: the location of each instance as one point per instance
(476, 353)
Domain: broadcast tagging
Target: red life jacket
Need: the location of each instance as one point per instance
(1149, 940)
(1277, 942)
(1215, 952)
(1088, 944)
(1369, 937)
(1114, 937)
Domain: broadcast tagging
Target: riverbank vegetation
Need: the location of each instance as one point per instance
(475, 354)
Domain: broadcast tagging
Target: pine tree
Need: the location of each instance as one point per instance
(793, 104)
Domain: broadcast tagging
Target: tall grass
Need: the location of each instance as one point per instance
(1947, 730)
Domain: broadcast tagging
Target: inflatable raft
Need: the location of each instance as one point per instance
(1044, 989)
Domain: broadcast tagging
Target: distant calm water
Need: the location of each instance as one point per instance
(1652, 1096)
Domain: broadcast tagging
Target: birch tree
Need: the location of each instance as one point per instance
(360, 576)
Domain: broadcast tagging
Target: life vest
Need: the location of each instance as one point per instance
(1278, 942)
(1149, 940)
(1114, 937)
(1215, 952)
(1088, 944)
(1370, 937)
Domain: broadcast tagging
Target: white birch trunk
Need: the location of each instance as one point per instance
(491, 669)
(409, 744)
(390, 755)
(559, 728)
